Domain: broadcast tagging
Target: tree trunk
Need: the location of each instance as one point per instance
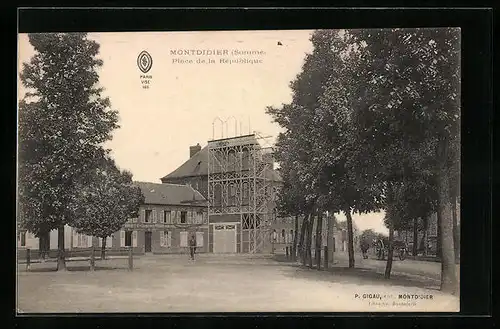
(330, 242)
(295, 236)
(103, 248)
(438, 241)
(415, 236)
(309, 241)
(319, 229)
(456, 233)
(390, 251)
(303, 238)
(61, 263)
(43, 243)
(424, 235)
(350, 243)
(449, 282)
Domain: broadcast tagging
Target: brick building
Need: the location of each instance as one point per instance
(170, 213)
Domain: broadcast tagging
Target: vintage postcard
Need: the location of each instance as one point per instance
(239, 171)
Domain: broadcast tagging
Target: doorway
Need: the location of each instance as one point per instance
(224, 238)
(147, 241)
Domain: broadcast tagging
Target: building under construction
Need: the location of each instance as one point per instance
(236, 175)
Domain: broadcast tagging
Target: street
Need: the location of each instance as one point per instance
(215, 283)
(412, 268)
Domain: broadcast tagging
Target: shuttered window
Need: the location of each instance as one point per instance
(122, 238)
(183, 239)
(134, 239)
(166, 217)
(199, 239)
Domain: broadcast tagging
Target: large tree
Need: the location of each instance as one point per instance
(63, 122)
(408, 115)
(106, 199)
(311, 128)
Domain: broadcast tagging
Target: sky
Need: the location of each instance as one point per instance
(185, 98)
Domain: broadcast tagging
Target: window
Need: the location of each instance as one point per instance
(199, 217)
(246, 192)
(148, 216)
(217, 195)
(166, 239)
(245, 159)
(232, 194)
(128, 238)
(173, 216)
(80, 240)
(166, 217)
(109, 241)
(232, 160)
(183, 217)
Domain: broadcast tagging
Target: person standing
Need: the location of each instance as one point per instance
(365, 245)
(274, 238)
(192, 245)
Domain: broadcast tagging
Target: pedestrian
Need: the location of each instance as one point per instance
(192, 246)
(365, 245)
(274, 238)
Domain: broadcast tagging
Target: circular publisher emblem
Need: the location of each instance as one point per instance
(144, 61)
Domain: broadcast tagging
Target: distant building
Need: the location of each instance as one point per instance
(430, 235)
(341, 237)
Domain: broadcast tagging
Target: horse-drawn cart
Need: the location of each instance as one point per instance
(381, 247)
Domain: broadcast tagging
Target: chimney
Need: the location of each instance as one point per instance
(194, 149)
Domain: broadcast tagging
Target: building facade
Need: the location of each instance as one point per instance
(169, 215)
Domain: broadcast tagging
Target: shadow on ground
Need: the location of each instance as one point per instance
(344, 274)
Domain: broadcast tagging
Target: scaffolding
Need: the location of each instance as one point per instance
(240, 183)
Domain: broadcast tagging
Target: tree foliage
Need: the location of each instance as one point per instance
(63, 122)
(105, 200)
(375, 121)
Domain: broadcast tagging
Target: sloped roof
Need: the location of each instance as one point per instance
(197, 165)
(170, 194)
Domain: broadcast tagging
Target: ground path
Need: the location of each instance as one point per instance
(212, 283)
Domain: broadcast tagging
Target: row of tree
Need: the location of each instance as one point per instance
(66, 175)
(374, 125)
